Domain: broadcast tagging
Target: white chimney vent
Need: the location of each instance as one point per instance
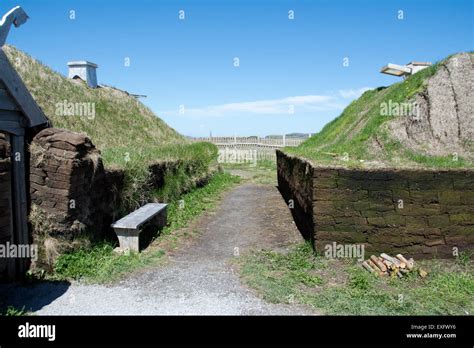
(84, 70)
(404, 70)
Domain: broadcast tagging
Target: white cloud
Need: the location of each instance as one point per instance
(282, 106)
(353, 93)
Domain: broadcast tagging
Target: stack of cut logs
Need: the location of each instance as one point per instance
(386, 265)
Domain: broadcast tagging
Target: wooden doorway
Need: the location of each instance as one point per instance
(6, 217)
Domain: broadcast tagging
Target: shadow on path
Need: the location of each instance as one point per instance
(32, 297)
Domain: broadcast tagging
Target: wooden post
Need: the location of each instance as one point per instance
(21, 235)
(11, 266)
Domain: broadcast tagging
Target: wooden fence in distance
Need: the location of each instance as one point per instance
(249, 149)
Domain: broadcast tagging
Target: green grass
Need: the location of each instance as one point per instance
(347, 140)
(263, 172)
(11, 311)
(192, 162)
(193, 204)
(99, 263)
(263, 164)
(342, 287)
(126, 157)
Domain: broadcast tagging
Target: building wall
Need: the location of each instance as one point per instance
(5, 198)
(422, 213)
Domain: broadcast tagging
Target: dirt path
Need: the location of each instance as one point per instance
(198, 279)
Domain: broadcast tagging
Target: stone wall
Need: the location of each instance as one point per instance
(422, 213)
(187, 175)
(68, 184)
(5, 198)
(295, 184)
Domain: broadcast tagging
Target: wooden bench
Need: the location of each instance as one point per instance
(128, 227)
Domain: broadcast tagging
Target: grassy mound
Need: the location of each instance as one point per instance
(127, 133)
(119, 120)
(359, 137)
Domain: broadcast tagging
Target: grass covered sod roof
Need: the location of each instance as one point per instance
(119, 125)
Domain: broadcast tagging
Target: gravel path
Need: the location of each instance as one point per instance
(198, 279)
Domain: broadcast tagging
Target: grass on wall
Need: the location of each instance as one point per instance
(193, 162)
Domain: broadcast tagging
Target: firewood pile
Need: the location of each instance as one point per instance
(386, 265)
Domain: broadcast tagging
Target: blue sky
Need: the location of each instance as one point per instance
(291, 76)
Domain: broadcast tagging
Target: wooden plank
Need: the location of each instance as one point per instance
(7, 102)
(12, 129)
(11, 126)
(19, 207)
(12, 122)
(12, 116)
(139, 216)
(11, 265)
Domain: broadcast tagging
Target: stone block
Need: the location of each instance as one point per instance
(382, 206)
(416, 222)
(63, 153)
(467, 197)
(37, 171)
(457, 209)
(404, 195)
(439, 220)
(463, 182)
(460, 240)
(434, 242)
(377, 221)
(420, 210)
(353, 220)
(450, 197)
(361, 205)
(37, 179)
(423, 196)
(458, 230)
(395, 219)
(462, 218)
(49, 169)
(320, 219)
(370, 213)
